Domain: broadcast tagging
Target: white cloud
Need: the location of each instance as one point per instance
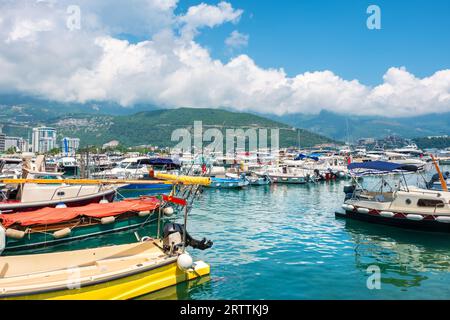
(204, 15)
(237, 40)
(40, 56)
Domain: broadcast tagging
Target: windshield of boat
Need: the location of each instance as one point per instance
(130, 165)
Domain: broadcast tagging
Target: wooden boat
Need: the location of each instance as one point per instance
(51, 226)
(115, 272)
(403, 206)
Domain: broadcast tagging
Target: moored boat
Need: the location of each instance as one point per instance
(114, 273)
(51, 226)
(17, 196)
(227, 183)
(401, 205)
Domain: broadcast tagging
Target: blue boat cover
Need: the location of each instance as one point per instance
(382, 166)
(302, 156)
(162, 162)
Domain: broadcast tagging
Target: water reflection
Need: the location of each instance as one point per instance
(183, 291)
(404, 257)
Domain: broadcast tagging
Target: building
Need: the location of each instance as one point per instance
(43, 139)
(69, 146)
(111, 144)
(18, 143)
(2, 142)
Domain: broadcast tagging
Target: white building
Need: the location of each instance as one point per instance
(111, 144)
(2, 142)
(18, 143)
(43, 139)
(69, 146)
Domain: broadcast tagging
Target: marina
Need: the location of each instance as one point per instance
(257, 222)
(224, 155)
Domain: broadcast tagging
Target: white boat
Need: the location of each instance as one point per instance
(30, 196)
(285, 174)
(398, 205)
(130, 168)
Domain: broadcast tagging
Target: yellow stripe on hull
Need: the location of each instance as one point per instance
(128, 287)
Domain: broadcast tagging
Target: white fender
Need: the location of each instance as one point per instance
(62, 233)
(363, 210)
(144, 213)
(184, 261)
(169, 211)
(443, 219)
(414, 217)
(15, 234)
(2, 239)
(108, 220)
(387, 214)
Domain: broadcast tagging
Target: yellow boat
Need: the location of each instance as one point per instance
(115, 272)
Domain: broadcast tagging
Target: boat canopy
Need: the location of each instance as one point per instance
(302, 156)
(163, 162)
(382, 166)
(48, 216)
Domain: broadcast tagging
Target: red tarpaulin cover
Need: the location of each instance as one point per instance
(48, 216)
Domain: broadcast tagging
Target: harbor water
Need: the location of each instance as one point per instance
(284, 242)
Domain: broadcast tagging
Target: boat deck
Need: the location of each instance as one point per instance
(33, 274)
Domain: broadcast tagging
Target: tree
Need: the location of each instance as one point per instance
(11, 150)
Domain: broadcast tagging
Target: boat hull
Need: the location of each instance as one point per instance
(127, 287)
(227, 184)
(145, 187)
(73, 202)
(430, 225)
(288, 180)
(42, 239)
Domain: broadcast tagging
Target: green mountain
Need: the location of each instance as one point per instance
(97, 124)
(350, 128)
(156, 127)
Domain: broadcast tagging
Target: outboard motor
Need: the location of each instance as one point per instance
(349, 190)
(173, 239)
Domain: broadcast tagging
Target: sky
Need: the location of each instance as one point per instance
(280, 57)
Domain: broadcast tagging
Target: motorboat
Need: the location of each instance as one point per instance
(285, 174)
(397, 205)
(18, 197)
(116, 272)
(68, 166)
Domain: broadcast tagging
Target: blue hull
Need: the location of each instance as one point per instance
(146, 187)
(218, 183)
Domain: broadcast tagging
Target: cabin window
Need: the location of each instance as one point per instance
(430, 203)
(408, 201)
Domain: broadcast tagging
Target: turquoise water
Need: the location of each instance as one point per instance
(284, 242)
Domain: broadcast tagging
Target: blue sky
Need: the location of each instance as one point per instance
(310, 35)
(281, 57)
